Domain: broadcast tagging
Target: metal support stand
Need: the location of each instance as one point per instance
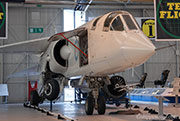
(176, 99)
(51, 106)
(160, 100)
(5, 100)
(129, 101)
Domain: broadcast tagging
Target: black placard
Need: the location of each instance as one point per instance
(167, 20)
(3, 20)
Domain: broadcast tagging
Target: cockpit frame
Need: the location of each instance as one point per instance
(129, 23)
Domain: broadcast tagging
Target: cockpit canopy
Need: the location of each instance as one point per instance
(116, 21)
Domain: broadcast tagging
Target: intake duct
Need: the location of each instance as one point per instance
(57, 53)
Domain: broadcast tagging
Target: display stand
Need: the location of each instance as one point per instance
(51, 106)
(176, 100)
(160, 104)
(4, 92)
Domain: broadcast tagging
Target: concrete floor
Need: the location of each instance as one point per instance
(16, 112)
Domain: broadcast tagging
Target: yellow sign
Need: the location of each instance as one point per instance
(148, 27)
(1, 15)
(172, 13)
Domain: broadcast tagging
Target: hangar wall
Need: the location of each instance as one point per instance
(19, 21)
(51, 19)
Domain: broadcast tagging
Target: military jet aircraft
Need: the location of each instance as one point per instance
(106, 45)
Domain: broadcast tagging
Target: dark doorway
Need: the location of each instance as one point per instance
(83, 44)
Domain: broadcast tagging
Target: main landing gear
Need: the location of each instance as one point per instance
(49, 91)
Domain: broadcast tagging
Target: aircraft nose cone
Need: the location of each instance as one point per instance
(138, 49)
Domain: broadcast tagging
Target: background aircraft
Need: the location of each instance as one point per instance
(108, 44)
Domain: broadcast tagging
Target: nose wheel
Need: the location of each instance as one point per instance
(101, 105)
(94, 99)
(89, 105)
(92, 103)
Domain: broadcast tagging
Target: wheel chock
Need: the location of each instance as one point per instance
(39, 109)
(59, 117)
(35, 107)
(146, 109)
(43, 111)
(49, 114)
(176, 119)
(136, 106)
(169, 117)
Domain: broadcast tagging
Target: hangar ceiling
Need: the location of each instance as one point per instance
(83, 5)
(125, 0)
(85, 1)
(97, 0)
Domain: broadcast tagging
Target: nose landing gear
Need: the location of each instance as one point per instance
(99, 104)
(94, 99)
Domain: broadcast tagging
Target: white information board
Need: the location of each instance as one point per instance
(4, 90)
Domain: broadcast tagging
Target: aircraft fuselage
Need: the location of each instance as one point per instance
(110, 46)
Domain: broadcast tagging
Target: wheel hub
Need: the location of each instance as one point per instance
(48, 89)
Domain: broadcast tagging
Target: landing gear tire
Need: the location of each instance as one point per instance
(101, 105)
(51, 90)
(89, 105)
(34, 98)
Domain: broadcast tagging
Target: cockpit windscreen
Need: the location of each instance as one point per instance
(130, 23)
(117, 24)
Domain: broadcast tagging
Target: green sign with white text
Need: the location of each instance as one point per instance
(36, 30)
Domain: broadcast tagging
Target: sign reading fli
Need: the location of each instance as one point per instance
(3, 20)
(167, 20)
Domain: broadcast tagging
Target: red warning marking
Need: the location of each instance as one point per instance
(73, 44)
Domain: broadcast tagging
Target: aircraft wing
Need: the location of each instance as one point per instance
(33, 71)
(31, 46)
(68, 34)
(37, 46)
